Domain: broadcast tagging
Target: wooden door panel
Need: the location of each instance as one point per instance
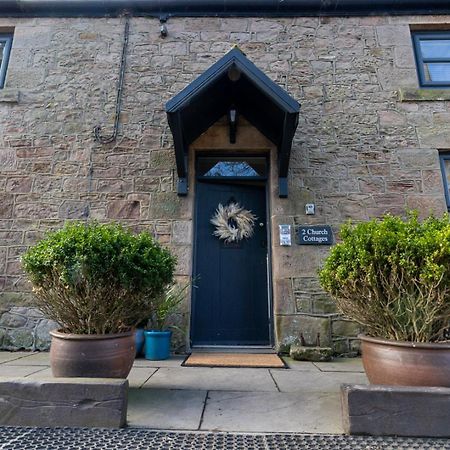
(230, 304)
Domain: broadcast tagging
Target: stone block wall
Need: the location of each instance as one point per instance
(367, 142)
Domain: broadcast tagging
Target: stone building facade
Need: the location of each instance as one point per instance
(367, 142)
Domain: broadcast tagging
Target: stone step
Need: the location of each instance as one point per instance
(64, 402)
(396, 410)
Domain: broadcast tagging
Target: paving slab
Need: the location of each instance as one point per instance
(317, 382)
(205, 378)
(341, 365)
(272, 412)
(32, 359)
(11, 356)
(173, 361)
(300, 365)
(139, 375)
(165, 409)
(19, 371)
(42, 373)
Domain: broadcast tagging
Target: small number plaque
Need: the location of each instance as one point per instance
(315, 235)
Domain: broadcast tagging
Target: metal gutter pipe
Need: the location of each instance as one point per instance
(219, 8)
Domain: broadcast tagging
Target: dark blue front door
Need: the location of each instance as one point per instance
(230, 303)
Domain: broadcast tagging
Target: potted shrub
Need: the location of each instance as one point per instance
(392, 276)
(96, 281)
(159, 333)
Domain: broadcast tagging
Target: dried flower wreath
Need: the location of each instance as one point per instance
(233, 222)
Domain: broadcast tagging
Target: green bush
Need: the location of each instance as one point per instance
(96, 278)
(393, 277)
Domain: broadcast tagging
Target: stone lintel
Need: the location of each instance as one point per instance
(63, 402)
(423, 95)
(396, 410)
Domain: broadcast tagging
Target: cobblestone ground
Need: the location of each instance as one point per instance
(135, 438)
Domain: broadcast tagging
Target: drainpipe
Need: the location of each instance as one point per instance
(186, 8)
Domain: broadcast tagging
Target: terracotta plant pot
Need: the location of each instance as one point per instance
(406, 363)
(92, 355)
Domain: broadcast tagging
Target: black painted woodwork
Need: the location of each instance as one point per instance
(230, 305)
(254, 95)
(221, 8)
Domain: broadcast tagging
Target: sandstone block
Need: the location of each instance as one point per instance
(19, 185)
(147, 184)
(290, 327)
(391, 118)
(182, 232)
(342, 327)
(72, 209)
(114, 185)
(432, 181)
(183, 254)
(393, 35)
(6, 206)
(434, 136)
(341, 346)
(323, 305)
(8, 159)
(2, 260)
(63, 402)
(404, 56)
(317, 354)
(303, 303)
(396, 410)
(36, 210)
(166, 205)
(124, 209)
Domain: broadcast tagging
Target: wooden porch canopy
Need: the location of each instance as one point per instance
(233, 82)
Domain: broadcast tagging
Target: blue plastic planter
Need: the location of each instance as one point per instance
(157, 345)
(139, 340)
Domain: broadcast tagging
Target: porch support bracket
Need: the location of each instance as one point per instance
(181, 152)
(284, 152)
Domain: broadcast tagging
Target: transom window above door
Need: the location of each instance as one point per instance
(432, 50)
(234, 167)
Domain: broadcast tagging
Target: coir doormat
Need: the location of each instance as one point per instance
(265, 360)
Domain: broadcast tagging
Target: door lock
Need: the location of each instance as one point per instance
(261, 224)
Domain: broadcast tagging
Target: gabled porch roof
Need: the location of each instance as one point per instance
(233, 81)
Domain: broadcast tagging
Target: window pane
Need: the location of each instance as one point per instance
(2, 50)
(233, 167)
(435, 48)
(447, 171)
(437, 71)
